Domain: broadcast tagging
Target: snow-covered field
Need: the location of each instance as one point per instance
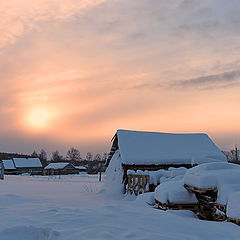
(77, 207)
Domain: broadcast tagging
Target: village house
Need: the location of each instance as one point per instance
(9, 167)
(137, 150)
(60, 168)
(32, 166)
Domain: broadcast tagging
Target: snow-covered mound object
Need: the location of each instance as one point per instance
(146, 148)
(212, 175)
(173, 192)
(114, 177)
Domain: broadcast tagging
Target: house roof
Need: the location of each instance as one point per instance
(27, 162)
(81, 167)
(59, 165)
(148, 148)
(8, 164)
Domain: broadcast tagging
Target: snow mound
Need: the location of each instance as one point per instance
(114, 177)
(173, 192)
(211, 175)
(145, 198)
(28, 233)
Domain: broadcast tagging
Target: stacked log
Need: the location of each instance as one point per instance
(206, 198)
(177, 206)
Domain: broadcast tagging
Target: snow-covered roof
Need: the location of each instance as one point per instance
(59, 165)
(8, 164)
(81, 167)
(146, 148)
(27, 162)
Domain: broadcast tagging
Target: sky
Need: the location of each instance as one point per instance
(72, 72)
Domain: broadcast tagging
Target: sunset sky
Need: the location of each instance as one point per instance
(72, 72)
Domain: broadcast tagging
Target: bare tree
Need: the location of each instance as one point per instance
(73, 154)
(104, 157)
(56, 157)
(97, 157)
(34, 154)
(43, 157)
(89, 156)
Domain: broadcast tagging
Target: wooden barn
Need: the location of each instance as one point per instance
(137, 150)
(9, 167)
(60, 168)
(32, 166)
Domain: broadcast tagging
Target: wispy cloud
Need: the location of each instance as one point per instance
(19, 17)
(221, 80)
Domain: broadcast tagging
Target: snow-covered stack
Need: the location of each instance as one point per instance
(217, 187)
(173, 195)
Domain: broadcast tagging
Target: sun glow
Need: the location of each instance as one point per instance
(39, 118)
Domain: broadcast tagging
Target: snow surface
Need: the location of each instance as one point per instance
(233, 206)
(30, 162)
(75, 208)
(173, 192)
(8, 164)
(166, 148)
(59, 165)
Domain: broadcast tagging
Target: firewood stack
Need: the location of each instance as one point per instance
(206, 199)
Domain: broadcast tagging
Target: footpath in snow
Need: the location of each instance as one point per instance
(76, 207)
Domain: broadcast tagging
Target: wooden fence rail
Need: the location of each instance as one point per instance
(138, 184)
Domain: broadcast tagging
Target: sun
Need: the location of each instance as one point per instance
(38, 118)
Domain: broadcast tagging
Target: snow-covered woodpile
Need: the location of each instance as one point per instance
(211, 190)
(173, 195)
(152, 151)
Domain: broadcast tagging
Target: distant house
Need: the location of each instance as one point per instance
(1, 171)
(32, 166)
(138, 150)
(60, 168)
(9, 167)
(81, 168)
